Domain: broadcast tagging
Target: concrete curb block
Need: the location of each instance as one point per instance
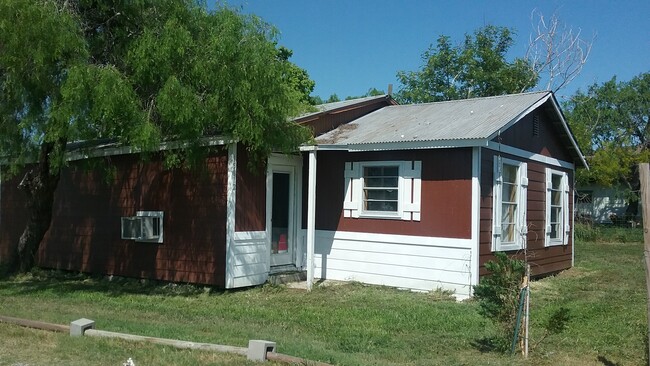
(35, 324)
(79, 326)
(259, 350)
(167, 342)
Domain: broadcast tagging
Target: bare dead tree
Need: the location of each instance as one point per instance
(556, 51)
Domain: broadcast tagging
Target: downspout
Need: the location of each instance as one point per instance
(311, 217)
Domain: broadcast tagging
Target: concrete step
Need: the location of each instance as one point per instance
(287, 277)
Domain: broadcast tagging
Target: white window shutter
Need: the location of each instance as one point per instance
(565, 208)
(352, 201)
(496, 205)
(412, 190)
(523, 204)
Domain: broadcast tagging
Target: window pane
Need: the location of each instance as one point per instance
(381, 194)
(508, 233)
(556, 181)
(556, 198)
(509, 173)
(556, 214)
(509, 196)
(556, 207)
(381, 182)
(508, 213)
(381, 206)
(378, 171)
(509, 192)
(555, 231)
(380, 188)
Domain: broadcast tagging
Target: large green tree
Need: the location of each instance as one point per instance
(297, 77)
(611, 122)
(138, 73)
(478, 67)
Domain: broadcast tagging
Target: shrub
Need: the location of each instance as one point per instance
(586, 231)
(498, 295)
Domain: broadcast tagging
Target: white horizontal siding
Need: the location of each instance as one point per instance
(461, 292)
(248, 262)
(413, 262)
(244, 247)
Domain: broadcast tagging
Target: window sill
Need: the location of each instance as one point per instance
(380, 215)
(508, 248)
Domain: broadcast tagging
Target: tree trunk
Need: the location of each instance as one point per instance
(39, 183)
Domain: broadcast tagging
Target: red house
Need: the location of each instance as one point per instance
(413, 196)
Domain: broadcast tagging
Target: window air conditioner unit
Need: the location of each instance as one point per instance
(145, 226)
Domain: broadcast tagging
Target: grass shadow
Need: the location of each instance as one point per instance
(607, 362)
(62, 282)
(487, 344)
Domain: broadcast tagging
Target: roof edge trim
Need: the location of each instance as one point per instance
(521, 115)
(125, 150)
(583, 160)
(412, 145)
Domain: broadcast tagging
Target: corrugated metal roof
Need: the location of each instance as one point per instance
(477, 118)
(323, 108)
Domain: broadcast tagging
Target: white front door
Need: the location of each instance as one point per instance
(282, 211)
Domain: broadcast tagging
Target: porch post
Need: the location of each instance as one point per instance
(311, 217)
(476, 218)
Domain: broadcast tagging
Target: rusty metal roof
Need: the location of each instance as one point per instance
(468, 119)
(327, 107)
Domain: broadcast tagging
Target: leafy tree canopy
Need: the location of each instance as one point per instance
(136, 72)
(297, 77)
(141, 72)
(478, 67)
(335, 98)
(372, 92)
(612, 126)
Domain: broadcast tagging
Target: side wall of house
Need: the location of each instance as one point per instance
(251, 193)
(544, 142)
(602, 204)
(247, 260)
(85, 231)
(434, 252)
(13, 215)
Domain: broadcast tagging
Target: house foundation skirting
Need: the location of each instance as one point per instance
(413, 262)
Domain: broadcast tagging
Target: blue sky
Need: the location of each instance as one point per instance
(349, 46)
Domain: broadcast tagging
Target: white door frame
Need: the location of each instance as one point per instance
(293, 165)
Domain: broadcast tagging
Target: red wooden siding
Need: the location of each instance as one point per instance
(12, 216)
(327, 121)
(546, 142)
(85, 230)
(446, 193)
(250, 213)
(542, 260)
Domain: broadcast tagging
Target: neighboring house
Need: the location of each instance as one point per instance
(414, 196)
(602, 205)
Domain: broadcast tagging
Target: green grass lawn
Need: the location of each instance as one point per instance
(348, 324)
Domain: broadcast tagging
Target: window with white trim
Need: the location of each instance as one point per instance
(509, 197)
(383, 189)
(557, 208)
